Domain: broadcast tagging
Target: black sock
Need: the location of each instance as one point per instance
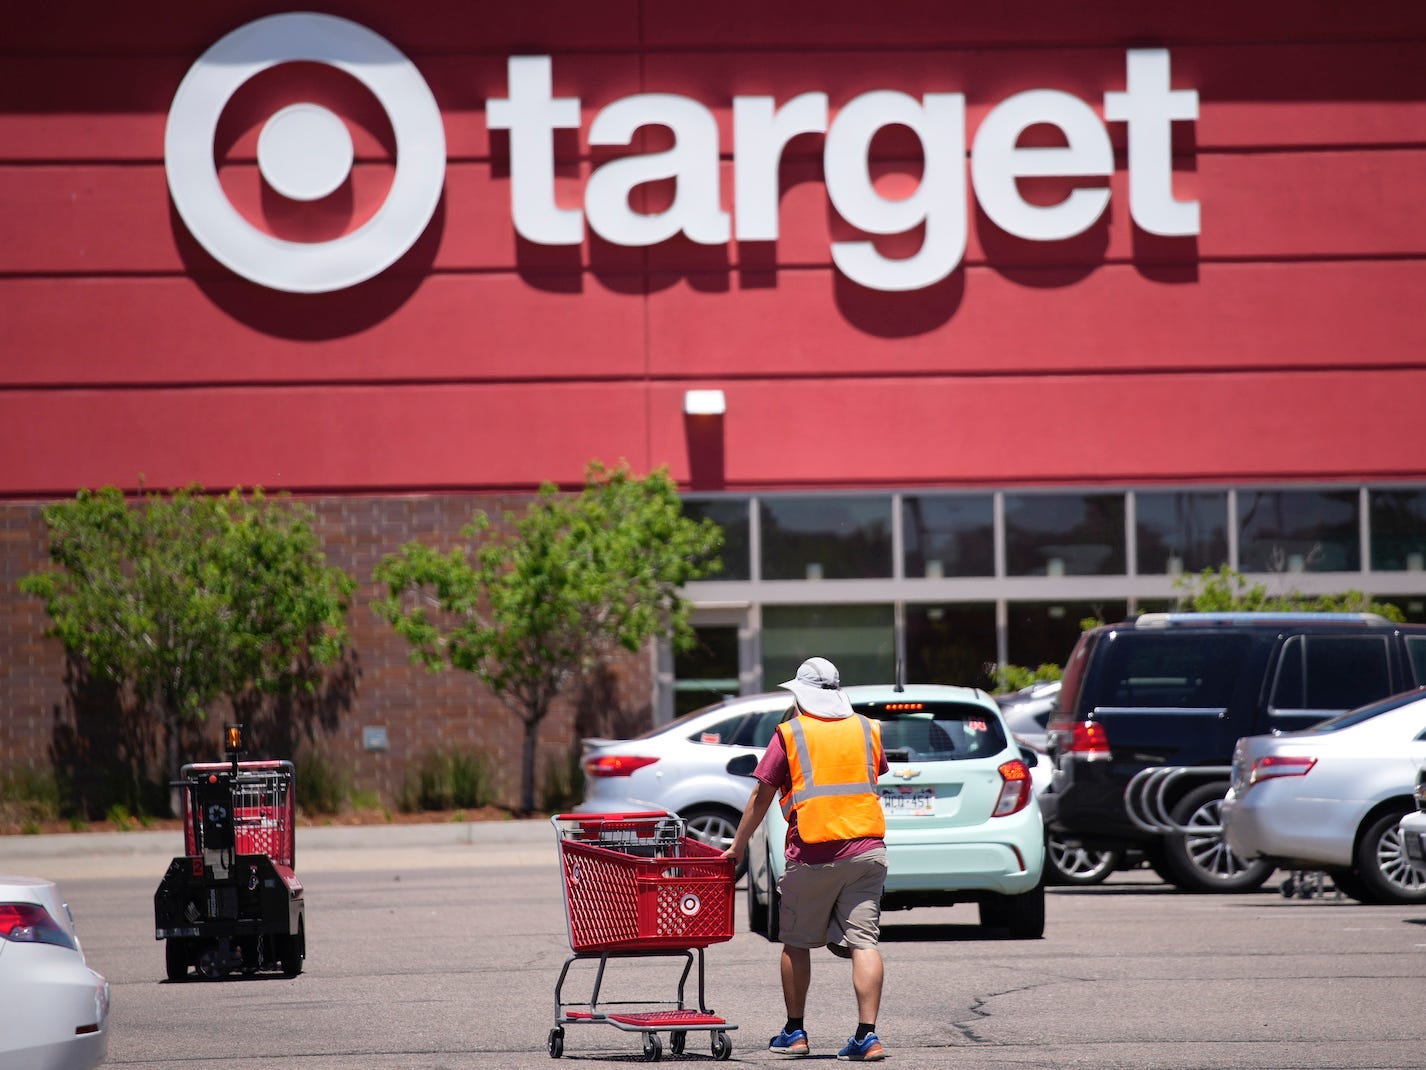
(793, 1025)
(863, 1028)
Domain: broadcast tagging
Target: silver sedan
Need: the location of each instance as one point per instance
(1330, 797)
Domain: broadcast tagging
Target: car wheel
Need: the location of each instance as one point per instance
(1021, 916)
(714, 826)
(757, 911)
(1203, 861)
(763, 915)
(1067, 862)
(1350, 885)
(1386, 873)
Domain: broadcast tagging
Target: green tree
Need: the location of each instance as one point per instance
(186, 598)
(547, 595)
(1227, 590)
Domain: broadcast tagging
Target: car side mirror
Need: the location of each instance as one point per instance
(743, 765)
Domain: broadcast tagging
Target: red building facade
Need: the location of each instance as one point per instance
(889, 238)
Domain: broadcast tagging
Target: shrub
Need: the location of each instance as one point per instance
(563, 784)
(1014, 677)
(29, 799)
(322, 787)
(448, 780)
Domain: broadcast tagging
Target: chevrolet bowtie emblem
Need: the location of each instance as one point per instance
(907, 774)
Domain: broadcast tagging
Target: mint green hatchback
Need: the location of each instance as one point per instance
(962, 821)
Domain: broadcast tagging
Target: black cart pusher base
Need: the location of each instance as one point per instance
(635, 886)
(231, 901)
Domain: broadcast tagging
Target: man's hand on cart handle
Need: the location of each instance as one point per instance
(758, 802)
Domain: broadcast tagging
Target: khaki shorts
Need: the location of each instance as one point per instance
(835, 902)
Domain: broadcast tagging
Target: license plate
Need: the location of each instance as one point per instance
(908, 802)
(1413, 847)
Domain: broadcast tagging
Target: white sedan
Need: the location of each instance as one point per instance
(682, 767)
(54, 1010)
(1331, 796)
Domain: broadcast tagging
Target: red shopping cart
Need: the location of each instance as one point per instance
(636, 885)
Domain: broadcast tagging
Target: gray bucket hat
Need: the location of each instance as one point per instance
(818, 688)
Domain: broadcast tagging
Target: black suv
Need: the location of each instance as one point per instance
(1150, 709)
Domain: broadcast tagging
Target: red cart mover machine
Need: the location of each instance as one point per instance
(232, 901)
(636, 886)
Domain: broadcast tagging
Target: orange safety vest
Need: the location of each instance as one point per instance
(834, 767)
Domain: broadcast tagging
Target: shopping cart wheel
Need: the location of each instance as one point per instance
(556, 1042)
(653, 1048)
(722, 1046)
(676, 1040)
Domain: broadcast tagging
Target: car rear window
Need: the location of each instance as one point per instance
(935, 731)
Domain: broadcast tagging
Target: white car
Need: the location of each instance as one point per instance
(682, 767)
(962, 821)
(54, 1010)
(1412, 828)
(1330, 797)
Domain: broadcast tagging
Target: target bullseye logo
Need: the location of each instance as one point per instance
(690, 904)
(305, 153)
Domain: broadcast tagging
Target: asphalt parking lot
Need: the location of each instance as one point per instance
(439, 947)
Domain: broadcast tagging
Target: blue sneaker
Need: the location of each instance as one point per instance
(785, 1043)
(866, 1050)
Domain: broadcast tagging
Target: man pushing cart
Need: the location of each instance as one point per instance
(636, 886)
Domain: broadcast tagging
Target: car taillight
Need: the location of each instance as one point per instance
(1085, 739)
(1015, 792)
(30, 923)
(1280, 765)
(615, 764)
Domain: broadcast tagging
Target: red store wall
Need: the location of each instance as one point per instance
(1284, 341)
(1281, 342)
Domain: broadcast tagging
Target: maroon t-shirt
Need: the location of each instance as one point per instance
(774, 770)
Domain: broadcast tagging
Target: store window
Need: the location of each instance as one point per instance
(1398, 526)
(730, 514)
(833, 538)
(951, 644)
(1040, 633)
(859, 640)
(1181, 532)
(707, 671)
(1064, 534)
(1298, 531)
(948, 535)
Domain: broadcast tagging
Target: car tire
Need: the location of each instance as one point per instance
(1387, 875)
(1349, 884)
(1068, 863)
(1203, 861)
(1021, 916)
(714, 826)
(763, 916)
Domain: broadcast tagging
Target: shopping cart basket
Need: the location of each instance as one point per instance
(636, 885)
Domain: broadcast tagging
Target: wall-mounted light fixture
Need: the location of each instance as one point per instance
(704, 403)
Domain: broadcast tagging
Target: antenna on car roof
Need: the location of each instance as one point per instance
(900, 675)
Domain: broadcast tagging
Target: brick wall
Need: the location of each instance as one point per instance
(421, 711)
